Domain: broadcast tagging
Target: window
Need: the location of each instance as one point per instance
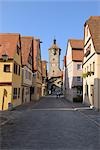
(37, 75)
(30, 59)
(78, 79)
(19, 93)
(27, 91)
(79, 67)
(90, 67)
(88, 50)
(32, 90)
(34, 74)
(15, 93)
(87, 69)
(53, 72)
(19, 70)
(86, 90)
(15, 68)
(6, 68)
(79, 91)
(29, 75)
(93, 66)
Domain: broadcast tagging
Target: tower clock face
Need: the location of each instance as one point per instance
(54, 51)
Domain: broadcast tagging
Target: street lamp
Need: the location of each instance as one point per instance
(5, 57)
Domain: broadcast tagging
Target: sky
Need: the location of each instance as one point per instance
(46, 19)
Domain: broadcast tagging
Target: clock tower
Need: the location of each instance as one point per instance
(55, 73)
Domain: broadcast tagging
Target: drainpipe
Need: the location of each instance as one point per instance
(98, 94)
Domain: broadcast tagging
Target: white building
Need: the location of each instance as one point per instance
(91, 62)
(73, 70)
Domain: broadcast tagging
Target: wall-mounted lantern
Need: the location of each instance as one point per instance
(5, 57)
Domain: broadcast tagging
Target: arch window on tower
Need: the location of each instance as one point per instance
(53, 72)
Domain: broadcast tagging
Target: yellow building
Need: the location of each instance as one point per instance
(10, 71)
(91, 62)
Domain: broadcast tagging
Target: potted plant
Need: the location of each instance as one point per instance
(84, 75)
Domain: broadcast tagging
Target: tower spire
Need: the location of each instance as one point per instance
(54, 41)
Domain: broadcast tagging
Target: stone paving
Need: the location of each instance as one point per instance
(51, 124)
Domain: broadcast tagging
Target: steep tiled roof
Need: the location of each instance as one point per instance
(26, 44)
(36, 53)
(76, 43)
(77, 49)
(8, 44)
(44, 68)
(77, 55)
(94, 26)
(35, 49)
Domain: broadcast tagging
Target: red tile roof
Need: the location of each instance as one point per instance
(44, 68)
(94, 26)
(36, 48)
(77, 49)
(26, 45)
(77, 55)
(8, 44)
(76, 43)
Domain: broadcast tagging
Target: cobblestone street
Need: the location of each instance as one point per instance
(51, 124)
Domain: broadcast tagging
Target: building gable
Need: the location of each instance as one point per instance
(26, 50)
(94, 26)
